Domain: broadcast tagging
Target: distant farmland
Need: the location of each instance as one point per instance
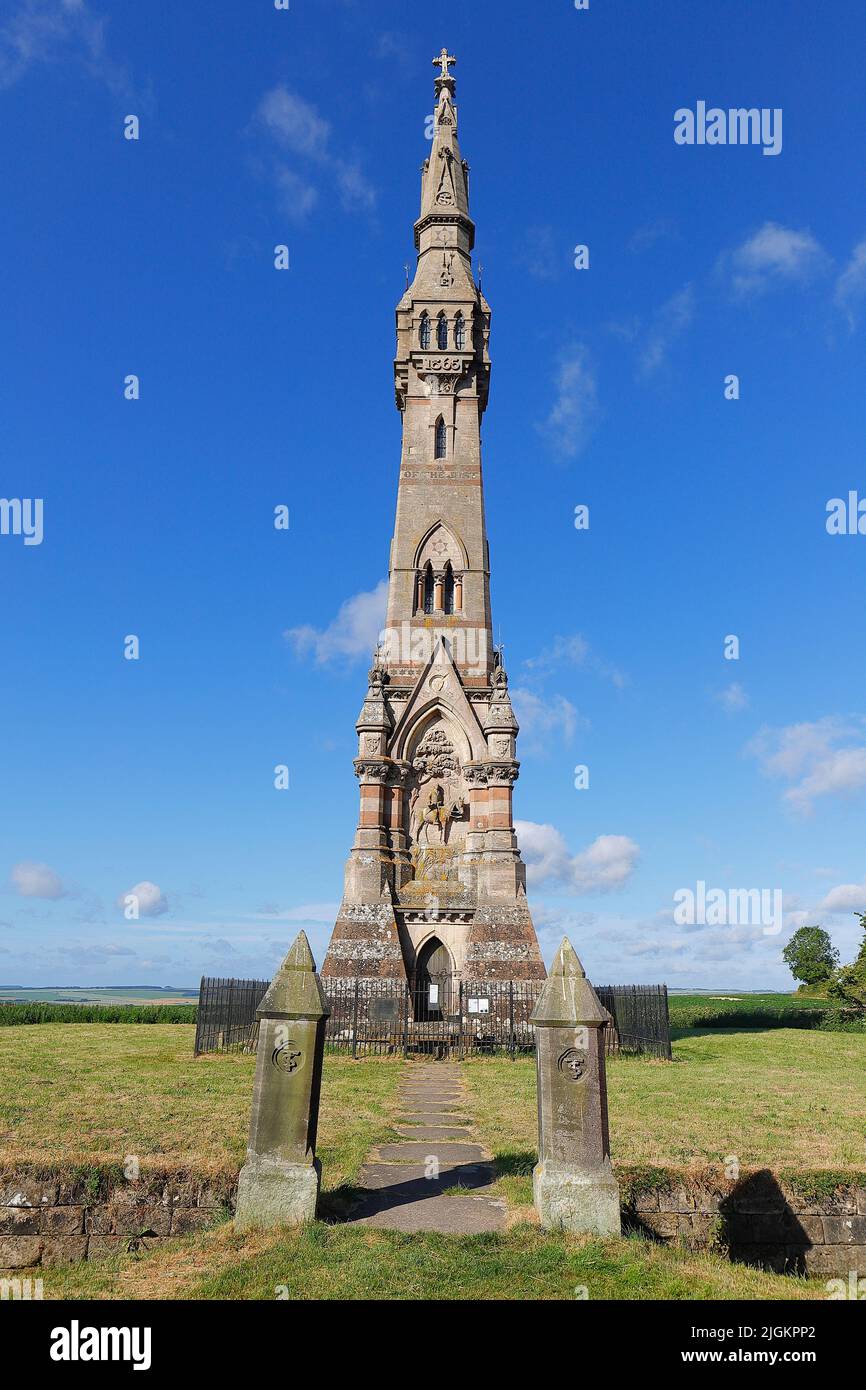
(123, 994)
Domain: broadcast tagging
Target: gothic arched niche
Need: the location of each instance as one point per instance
(434, 977)
(438, 799)
(439, 546)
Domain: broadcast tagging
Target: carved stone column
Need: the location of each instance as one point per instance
(573, 1183)
(475, 777)
(279, 1183)
(398, 782)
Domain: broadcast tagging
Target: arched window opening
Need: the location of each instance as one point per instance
(424, 330)
(460, 332)
(441, 441)
(428, 589)
(442, 332)
(448, 590)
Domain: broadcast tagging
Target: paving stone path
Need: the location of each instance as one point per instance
(407, 1186)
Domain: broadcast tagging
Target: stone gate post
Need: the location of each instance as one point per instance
(573, 1184)
(279, 1183)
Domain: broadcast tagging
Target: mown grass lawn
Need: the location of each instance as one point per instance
(80, 1093)
(781, 1098)
(345, 1262)
(86, 1094)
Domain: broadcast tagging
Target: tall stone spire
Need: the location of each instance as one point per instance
(441, 377)
(435, 867)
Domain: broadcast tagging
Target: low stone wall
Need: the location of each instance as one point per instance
(808, 1225)
(803, 1225)
(58, 1219)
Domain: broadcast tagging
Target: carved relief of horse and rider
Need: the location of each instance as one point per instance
(437, 806)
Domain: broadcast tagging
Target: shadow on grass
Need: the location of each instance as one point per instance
(518, 1164)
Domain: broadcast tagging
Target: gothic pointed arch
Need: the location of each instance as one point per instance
(436, 715)
(424, 329)
(438, 544)
(448, 589)
(429, 589)
(440, 439)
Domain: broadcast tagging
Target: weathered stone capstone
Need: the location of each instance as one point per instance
(573, 1184)
(279, 1183)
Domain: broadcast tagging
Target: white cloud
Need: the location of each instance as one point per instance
(50, 31)
(672, 319)
(773, 256)
(733, 698)
(32, 880)
(605, 865)
(297, 196)
(540, 254)
(845, 897)
(353, 633)
(307, 912)
(543, 717)
(395, 45)
(150, 900)
(824, 758)
(851, 284)
(84, 955)
(647, 236)
(294, 122)
(574, 651)
(356, 193)
(296, 126)
(573, 415)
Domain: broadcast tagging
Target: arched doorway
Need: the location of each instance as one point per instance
(434, 976)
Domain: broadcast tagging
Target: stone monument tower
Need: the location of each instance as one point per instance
(434, 882)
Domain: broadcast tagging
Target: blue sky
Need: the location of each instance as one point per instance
(261, 387)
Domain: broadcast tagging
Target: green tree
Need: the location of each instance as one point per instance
(848, 985)
(811, 956)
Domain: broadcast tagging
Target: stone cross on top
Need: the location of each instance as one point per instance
(443, 61)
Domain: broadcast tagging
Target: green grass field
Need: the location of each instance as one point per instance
(95, 1094)
(745, 1010)
(785, 1098)
(345, 1262)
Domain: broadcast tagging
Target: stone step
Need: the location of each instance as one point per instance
(440, 1073)
(447, 1119)
(447, 1153)
(433, 1097)
(432, 1133)
(462, 1216)
(409, 1181)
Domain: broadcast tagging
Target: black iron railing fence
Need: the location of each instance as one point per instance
(226, 1018)
(463, 1018)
